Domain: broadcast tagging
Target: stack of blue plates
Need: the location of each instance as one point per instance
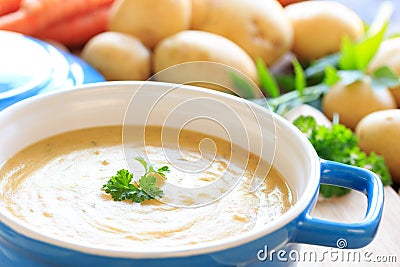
(29, 67)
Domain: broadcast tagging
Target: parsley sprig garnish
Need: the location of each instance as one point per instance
(120, 186)
(340, 144)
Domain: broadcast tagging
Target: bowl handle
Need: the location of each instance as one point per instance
(344, 235)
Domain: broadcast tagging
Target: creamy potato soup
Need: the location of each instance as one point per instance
(55, 187)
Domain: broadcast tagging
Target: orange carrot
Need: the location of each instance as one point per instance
(288, 2)
(33, 4)
(35, 16)
(8, 6)
(79, 29)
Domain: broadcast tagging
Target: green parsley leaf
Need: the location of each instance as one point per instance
(319, 66)
(348, 60)
(150, 170)
(148, 180)
(142, 161)
(267, 81)
(384, 77)
(242, 86)
(357, 55)
(285, 81)
(299, 77)
(148, 185)
(331, 76)
(286, 102)
(348, 77)
(161, 171)
(120, 186)
(377, 164)
(340, 144)
(394, 35)
(329, 191)
(306, 125)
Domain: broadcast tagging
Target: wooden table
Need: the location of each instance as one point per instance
(351, 208)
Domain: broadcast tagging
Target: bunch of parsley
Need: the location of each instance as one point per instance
(120, 186)
(340, 144)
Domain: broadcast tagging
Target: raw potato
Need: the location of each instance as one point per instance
(319, 27)
(355, 101)
(118, 56)
(260, 27)
(189, 46)
(388, 55)
(150, 20)
(380, 132)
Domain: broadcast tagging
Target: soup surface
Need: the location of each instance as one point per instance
(55, 187)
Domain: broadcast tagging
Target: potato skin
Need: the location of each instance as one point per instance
(188, 46)
(260, 27)
(355, 101)
(118, 56)
(388, 55)
(319, 27)
(380, 132)
(150, 20)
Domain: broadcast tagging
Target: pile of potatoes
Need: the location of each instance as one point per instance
(145, 37)
(355, 101)
(379, 131)
(373, 114)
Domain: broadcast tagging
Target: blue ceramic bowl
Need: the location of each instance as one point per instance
(29, 67)
(107, 103)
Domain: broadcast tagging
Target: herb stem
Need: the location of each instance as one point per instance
(285, 102)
